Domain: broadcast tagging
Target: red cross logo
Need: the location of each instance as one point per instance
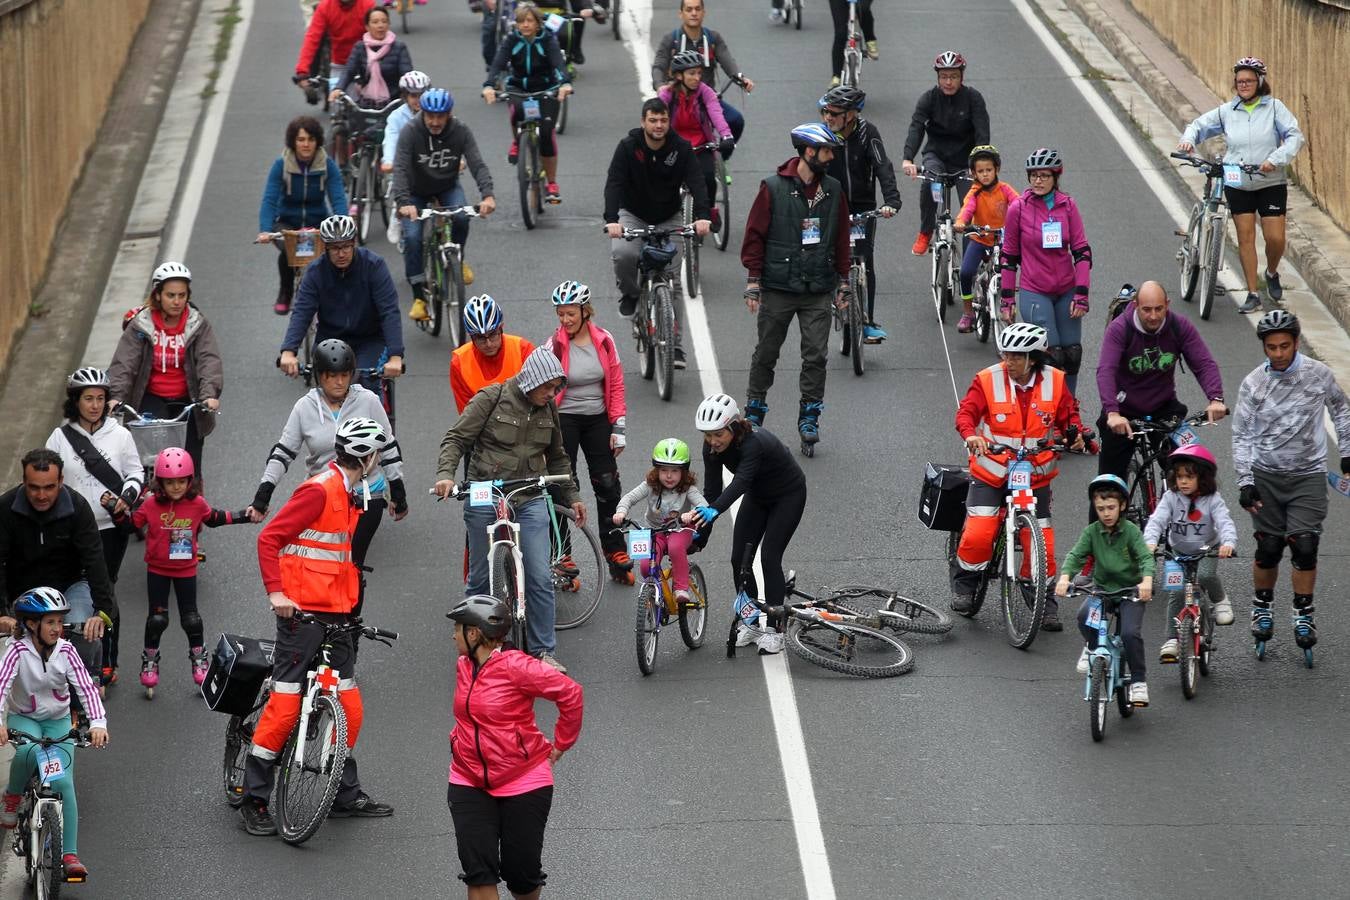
(326, 678)
(1023, 499)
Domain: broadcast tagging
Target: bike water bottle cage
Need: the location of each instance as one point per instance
(655, 256)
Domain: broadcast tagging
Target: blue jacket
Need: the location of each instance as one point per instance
(1268, 132)
(359, 305)
(530, 64)
(294, 196)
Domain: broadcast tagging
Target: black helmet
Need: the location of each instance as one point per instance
(1278, 320)
(334, 355)
(488, 614)
(843, 96)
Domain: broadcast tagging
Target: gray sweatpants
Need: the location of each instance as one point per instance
(625, 253)
(776, 309)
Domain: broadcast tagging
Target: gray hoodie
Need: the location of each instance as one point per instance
(427, 165)
(1277, 425)
(1192, 524)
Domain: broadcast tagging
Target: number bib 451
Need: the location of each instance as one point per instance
(1019, 476)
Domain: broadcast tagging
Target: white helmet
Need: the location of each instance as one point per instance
(716, 413)
(1022, 337)
(169, 270)
(414, 82)
(359, 437)
(337, 229)
(87, 377)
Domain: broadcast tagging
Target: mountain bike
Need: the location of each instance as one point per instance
(1154, 440)
(530, 177)
(303, 246)
(720, 206)
(851, 75)
(876, 607)
(310, 766)
(37, 835)
(1019, 548)
(654, 321)
(988, 284)
(1194, 624)
(792, 13)
(851, 319)
(946, 271)
(1200, 255)
(1106, 676)
(362, 175)
(653, 613)
(443, 263)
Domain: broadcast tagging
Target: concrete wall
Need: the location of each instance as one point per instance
(59, 62)
(1305, 44)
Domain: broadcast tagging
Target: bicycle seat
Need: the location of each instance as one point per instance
(656, 256)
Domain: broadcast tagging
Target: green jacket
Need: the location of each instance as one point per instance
(790, 265)
(1122, 559)
(506, 438)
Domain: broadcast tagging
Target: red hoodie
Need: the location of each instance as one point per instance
(344, 23)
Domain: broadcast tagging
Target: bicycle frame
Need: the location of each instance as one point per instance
(1105, 618)
(1154, 441)
(853, 53)
(946, 270)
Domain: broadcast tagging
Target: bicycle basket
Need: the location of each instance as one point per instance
(942, 500)
(657, 256)
(154, 435)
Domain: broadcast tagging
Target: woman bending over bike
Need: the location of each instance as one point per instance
(772, 490)
(531, 60)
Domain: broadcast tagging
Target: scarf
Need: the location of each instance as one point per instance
(375, 89)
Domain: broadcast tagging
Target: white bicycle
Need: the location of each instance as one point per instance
(38, 836)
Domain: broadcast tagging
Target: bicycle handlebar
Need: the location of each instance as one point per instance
(125, 410)
(367, 112)
(353, 625)
(19, 738)
(509, 485)
(670, 527)
(949, 179)
(864, 216)
(652, 233)
(430, 212)
(1058, 443)
(1207, 552)
(550, 94)
(359, 372)
(1172, 423)
(1122, 596)
(1214, 167)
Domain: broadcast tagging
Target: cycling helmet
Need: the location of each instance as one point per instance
(1022, 337)
(1045, 158)
(1127, 292)
(336, 229)
(686, 59)
(814, 134)
(1108, 482)
(173, 462)
(843, 96)
(333, 355)
(87, 377)
(359, 437)
(949, 59)
(671, 452)
(437, 100)
(39, 601)
(984, 151)
(1194, 453)
(571, 293)
(1278, 320)
(1255, 63)
(488, 614)
(716, 412)
(482, 315)
(414, 82)
(169, 270)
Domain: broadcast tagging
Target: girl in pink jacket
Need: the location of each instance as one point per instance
(696, 116)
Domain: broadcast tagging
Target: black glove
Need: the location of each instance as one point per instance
(1249, 496)
(398, 495)
(726, 146)
(1345, 465)
(296, 79)
(263, 498)
(131, 495)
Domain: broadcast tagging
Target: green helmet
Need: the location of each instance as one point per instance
(671, 452)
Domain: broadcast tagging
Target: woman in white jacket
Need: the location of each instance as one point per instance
(101, 463)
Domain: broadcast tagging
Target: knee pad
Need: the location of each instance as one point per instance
(352, 706)
(1269, 549)
(606, 486)
(1054, 356)
(192, 623)
(1303, 550)
(156, 622)
(1072, 357)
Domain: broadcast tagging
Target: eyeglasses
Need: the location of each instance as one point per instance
(949, 76)
(487, 337)
(342, 247)
(1038, 176)
(1248, 81)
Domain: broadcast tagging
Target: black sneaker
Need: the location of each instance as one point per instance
(578, 58)
(361, 808)
(963, 604)
(1273, 287)
(627, 306)
(257, 820)
(1251, 304)
(679, 358)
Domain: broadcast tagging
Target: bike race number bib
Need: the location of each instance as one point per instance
(858, 232)
(1095, 619)
(1052, 235)
(49, 764)
(1174, 576)
(180, 545)
(554, 22)
(810, 231)
(640, 544)
(1184, 436)
(935, 191)
(1339, 483)
(480, 493)
(531, 109)
(1232, 176)
(1019, 476)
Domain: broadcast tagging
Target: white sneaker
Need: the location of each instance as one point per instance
(1168, 654)
(770, 642)
(1082, 667)
(776, 16)
(1223, 612)
(1139, 694)
(745, 635)
(394, 233)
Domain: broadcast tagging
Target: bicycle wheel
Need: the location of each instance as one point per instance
(690, 261)
(537, 176)
(454, 297)
(503, 587)
(857, 303)
(307, 351)
(645, 629)
(1187, 661)
(560, 126)
(892, 610)
(435, 275)
(305, 790)
(939, 278)
(1123, 700)
(1097, 697)
(724, 201)
(852, 69)
(987, 293)
(1206, 632)
(381, 190)
(49, 871)
(694, 614)
(1142, 500)
(1209, 276)
(387, 400)
(644, 329)
(664, 306)
(588, 573)
(850, 649)
(238, 739)
(1188, 254)
(615, 7)
(1023, 600)
(524, 178)
(360, 199)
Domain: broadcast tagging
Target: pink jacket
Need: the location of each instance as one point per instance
(1050, 272)
(710, 111)
(615, 405)
(495, 739)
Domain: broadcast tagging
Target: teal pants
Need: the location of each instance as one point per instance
(25, 759)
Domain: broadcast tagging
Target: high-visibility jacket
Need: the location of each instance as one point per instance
(1005, 423)
(471, 371)
(317, 570)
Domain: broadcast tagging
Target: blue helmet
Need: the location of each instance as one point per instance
(571, 293)
(814, 134)
(41, 600)
(437, 100)
(1109, 482)
(482, 315)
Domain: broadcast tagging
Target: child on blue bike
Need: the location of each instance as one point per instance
(669, 489)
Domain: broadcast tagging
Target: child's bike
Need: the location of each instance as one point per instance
(877, 607)
(653, 613)
(38, 835)
(1106, 662)
(1194, 624)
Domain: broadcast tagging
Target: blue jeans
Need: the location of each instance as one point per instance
(975, 253)
(1052, 314)
(412, 232)
(735, 121)
(489, 48)
(81, 609)
(535, 550)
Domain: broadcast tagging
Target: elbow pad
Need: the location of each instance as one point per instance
(1083, 253)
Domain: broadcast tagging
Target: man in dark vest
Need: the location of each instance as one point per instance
(796, 258)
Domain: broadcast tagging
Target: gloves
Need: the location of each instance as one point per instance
(706, 513)
(620, 441)
(132, 494)
(1345, 465)
(296, 79)
(1249, 496)
(1079, 303)
(263, 498)
(726, 146)
(398, 495)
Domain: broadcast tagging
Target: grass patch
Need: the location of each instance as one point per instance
(226, 20)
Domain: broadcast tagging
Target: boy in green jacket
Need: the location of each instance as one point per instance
(1123, 561)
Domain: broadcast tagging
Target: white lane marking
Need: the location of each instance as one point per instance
(636, 19)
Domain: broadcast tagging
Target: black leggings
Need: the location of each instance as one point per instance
(114, 548)
(185, 589)
(770, 528)
(839, 12)
(590, 436)
(366, 526)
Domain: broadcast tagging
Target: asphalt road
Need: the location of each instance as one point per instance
(972, 777)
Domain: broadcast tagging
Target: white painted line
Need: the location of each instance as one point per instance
(636, 18)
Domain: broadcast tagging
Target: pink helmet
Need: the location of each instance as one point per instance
(1194, 453)
(173, 462)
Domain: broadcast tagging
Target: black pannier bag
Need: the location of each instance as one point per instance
(942, 501)
(238, 668)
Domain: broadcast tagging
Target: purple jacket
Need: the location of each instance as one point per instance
(1050, 272)
(709, 111)
(1142, 366)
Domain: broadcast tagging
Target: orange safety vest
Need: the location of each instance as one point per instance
(317, 571)
(1005, 424)
(504, 365)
